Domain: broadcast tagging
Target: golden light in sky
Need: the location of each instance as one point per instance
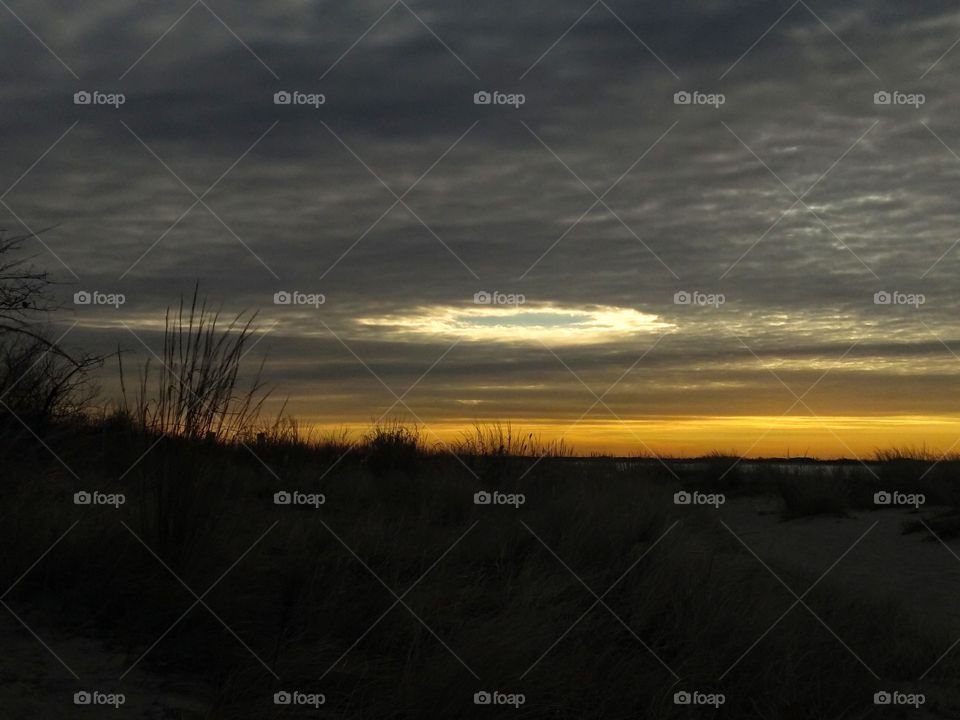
(546, 323)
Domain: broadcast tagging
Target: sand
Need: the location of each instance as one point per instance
(885, 564)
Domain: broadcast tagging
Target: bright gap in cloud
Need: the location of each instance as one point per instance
(548, 323)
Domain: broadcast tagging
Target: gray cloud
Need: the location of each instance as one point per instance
(703, 203)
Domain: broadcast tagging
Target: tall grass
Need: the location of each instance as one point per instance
(500, 455)
(193, 389)
(502, 440)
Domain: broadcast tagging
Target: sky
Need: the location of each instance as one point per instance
(768, 268)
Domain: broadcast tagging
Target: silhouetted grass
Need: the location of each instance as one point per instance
(192, 389)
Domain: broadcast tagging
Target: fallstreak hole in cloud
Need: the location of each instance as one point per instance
(548, 323)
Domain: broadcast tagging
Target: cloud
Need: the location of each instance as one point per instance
(797, 199)
(519, 323)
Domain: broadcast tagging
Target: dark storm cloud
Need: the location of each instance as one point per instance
(702, 210)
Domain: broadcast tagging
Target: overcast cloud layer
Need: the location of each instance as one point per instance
(797, 199)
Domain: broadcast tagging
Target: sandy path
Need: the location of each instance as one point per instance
(920, 574)
(33, 683)
(885, 564)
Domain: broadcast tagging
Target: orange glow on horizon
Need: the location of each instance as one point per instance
(748, 436)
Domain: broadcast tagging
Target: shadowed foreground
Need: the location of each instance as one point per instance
(385, 590)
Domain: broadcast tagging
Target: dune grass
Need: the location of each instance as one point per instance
(303, 599)
(193, 387)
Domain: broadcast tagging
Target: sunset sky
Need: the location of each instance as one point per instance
(785, 209)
